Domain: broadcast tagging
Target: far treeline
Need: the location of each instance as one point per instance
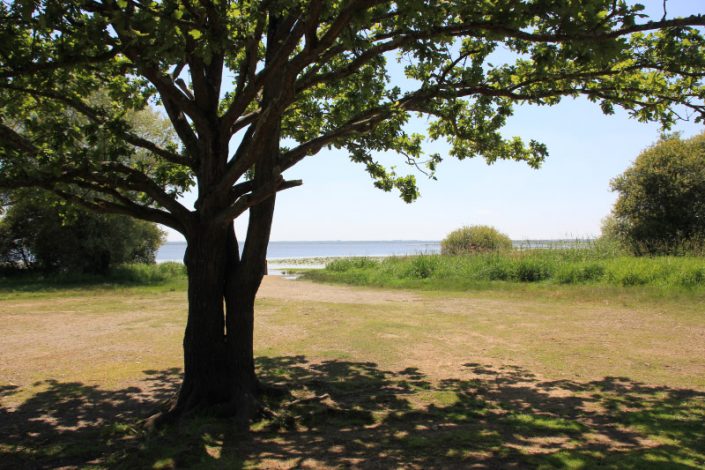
(41, 232)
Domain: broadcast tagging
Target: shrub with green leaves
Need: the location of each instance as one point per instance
(475, 239)
(43, 232)
(661, 203)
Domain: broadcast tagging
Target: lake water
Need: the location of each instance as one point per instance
(174, 251)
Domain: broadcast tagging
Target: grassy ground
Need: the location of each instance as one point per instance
(541, 376)
(568, 267)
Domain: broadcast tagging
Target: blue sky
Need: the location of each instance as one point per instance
(566, 198)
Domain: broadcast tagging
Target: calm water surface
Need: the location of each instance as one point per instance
(174, 251)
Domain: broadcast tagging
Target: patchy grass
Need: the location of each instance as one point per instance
(376, 378)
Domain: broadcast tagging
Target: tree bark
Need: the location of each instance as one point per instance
(207, 370)
(219, 370)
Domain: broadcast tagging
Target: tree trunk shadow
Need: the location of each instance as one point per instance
(355, 414)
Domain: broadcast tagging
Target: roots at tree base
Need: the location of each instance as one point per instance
(242, 408)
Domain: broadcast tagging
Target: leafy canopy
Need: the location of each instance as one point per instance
(235, 76)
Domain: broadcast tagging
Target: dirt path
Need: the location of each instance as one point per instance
(277, 287)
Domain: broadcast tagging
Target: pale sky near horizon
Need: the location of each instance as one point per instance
(566, 198)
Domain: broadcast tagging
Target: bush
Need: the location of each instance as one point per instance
(475, 239)
(661, 203)
(422, 267)
(532, 270)
(43, 232)
(138, 273)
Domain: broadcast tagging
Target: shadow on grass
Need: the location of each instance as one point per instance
(353, 414)
(70, 424)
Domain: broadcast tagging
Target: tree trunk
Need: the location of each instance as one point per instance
(219, 375)
(219, 369)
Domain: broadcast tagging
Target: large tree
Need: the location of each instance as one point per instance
(252, 87)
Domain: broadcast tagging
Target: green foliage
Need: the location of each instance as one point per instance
(208, 67)
(590, 265)
(140, 273)
(475, 239)
(42, 231)
(661, 203)
(578, 273)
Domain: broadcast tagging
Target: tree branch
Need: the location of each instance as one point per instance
(255, 197)
(132, 210)
(97, 116)
(65, 63)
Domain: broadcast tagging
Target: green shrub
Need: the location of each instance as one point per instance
(422, 267)
(496, 272)
(140, 273)
(661, 203)
(692, 277)
(532, 270)
(475, 239)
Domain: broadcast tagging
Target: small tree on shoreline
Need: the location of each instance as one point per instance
(252, 87)
(661, 204)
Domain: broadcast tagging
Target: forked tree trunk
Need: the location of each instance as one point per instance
(207, 365)
(219, 370)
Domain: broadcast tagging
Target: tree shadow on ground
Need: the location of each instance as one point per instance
(70, 424)
(356, 415)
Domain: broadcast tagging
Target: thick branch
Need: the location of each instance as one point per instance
(132, 210)
(140, 182)
(16, 141)
(255, 197)
(480, 29)
(287, 37)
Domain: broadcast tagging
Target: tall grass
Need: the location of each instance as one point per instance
(594, 263)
